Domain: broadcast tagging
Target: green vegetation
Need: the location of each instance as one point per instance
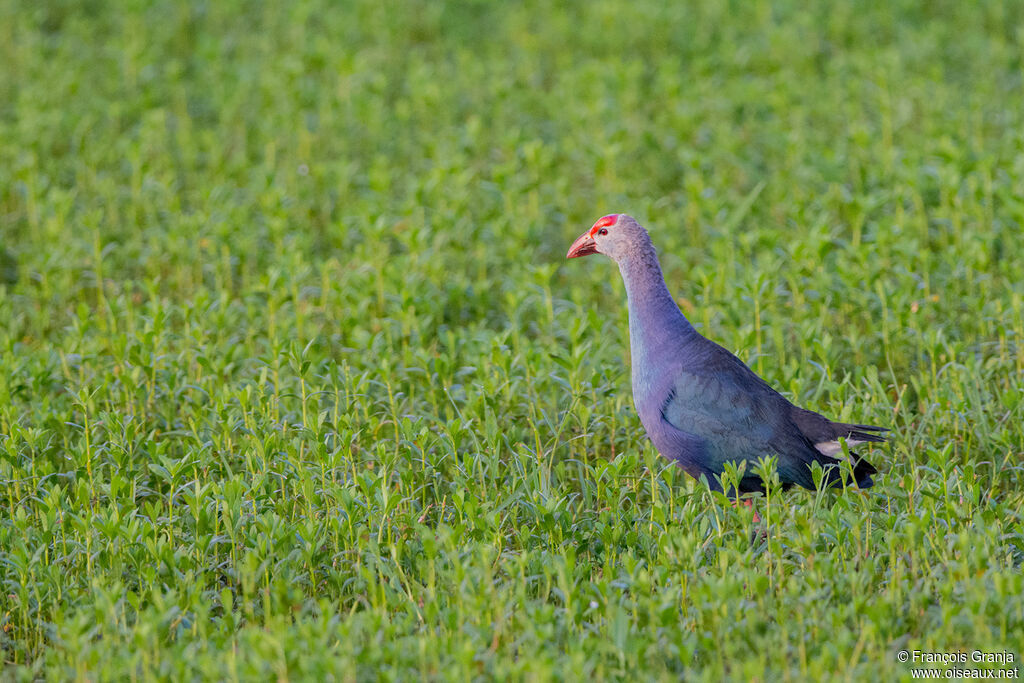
(295, 380)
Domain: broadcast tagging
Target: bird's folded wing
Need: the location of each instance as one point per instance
(719, 409)
(740, 420)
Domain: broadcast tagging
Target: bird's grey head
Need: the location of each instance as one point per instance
(616, 235)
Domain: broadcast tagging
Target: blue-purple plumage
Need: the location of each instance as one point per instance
(702, 406)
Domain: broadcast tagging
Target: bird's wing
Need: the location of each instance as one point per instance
(739, 416)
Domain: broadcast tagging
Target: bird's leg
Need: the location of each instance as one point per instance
(750, 504)
(759, 533)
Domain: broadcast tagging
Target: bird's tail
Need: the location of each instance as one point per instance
(855, 432)
(862, 471)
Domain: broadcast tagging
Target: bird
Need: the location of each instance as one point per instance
(700, 405)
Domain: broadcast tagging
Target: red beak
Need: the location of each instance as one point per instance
(583, 246)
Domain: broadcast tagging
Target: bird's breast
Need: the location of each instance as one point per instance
(650, 387)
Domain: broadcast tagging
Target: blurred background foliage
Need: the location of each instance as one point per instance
(295, 381)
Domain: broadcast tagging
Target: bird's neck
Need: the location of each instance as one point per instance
(657, 328)
(650, 303)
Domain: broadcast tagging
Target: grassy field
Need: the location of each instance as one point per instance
(296, 383)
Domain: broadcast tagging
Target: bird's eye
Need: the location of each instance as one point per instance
(602, 231)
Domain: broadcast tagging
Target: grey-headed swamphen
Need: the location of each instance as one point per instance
(701, 406)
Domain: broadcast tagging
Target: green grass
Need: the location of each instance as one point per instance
(295, 380)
